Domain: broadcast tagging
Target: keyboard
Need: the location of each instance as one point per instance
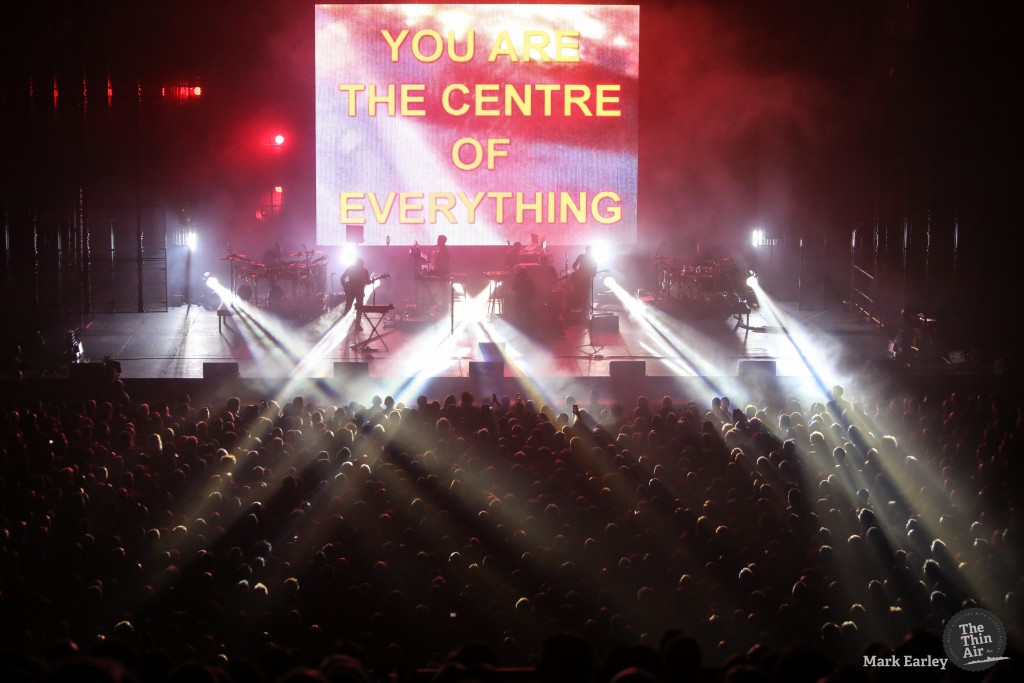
(384, 308)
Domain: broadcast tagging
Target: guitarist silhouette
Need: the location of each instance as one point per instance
(354, 281)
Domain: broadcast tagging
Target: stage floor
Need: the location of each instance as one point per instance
(672, 339)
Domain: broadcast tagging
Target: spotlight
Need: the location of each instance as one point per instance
(191, 240)
(211, 300)
(278, 139)
(602, 253)
(73, 347)
(752, 279)
(348, 254)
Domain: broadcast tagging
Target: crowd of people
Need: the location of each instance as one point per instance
(662, 541)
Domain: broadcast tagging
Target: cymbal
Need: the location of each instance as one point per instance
(234, 257)
(305, 253)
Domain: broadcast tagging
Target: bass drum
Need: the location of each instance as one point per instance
(211, 301)
(244, 293)
(276, 295)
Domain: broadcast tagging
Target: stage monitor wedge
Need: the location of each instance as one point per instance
(352, 370)
(758, 370)
(220, 371)
(90, 375)
(622, 369)
(604, 323)
(486, 369)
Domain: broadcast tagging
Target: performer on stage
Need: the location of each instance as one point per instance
(584, 269)
(545, 276)
(440, 288)
(512, 256)
(354, 281)
(585, 264)
(524, 300)
(420, 263)
(274, 256)
(551, 300)
(440, 259)
(703, 255)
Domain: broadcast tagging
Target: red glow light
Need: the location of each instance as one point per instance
(182, 92)
(278, 139)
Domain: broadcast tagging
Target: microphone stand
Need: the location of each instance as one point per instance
(595, 349)
(590, 302)
(595, 352)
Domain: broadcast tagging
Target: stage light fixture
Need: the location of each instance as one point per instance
(214, 299)
(348, 254)
(73, 347)
(757, 237)
(191, 240)
(278, 139)
(181, 92)
(752, 279)
(602, 253)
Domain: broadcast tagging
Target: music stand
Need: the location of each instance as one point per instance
(367, 312)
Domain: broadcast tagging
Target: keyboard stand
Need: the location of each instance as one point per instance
(368, 313)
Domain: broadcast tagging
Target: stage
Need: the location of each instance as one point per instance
(656, 346)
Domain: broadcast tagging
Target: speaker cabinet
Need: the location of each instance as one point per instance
(627, 368)
(220, 371)
(758, 370)
(604, 323)
(883, 369)
(359, 369)
(486, 369)
(91, 375)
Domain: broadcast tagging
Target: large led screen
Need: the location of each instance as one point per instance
(486, 123)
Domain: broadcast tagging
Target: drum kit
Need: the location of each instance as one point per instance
(705, 282)
(298, 285)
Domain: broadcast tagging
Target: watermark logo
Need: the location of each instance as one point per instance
(974, 639)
